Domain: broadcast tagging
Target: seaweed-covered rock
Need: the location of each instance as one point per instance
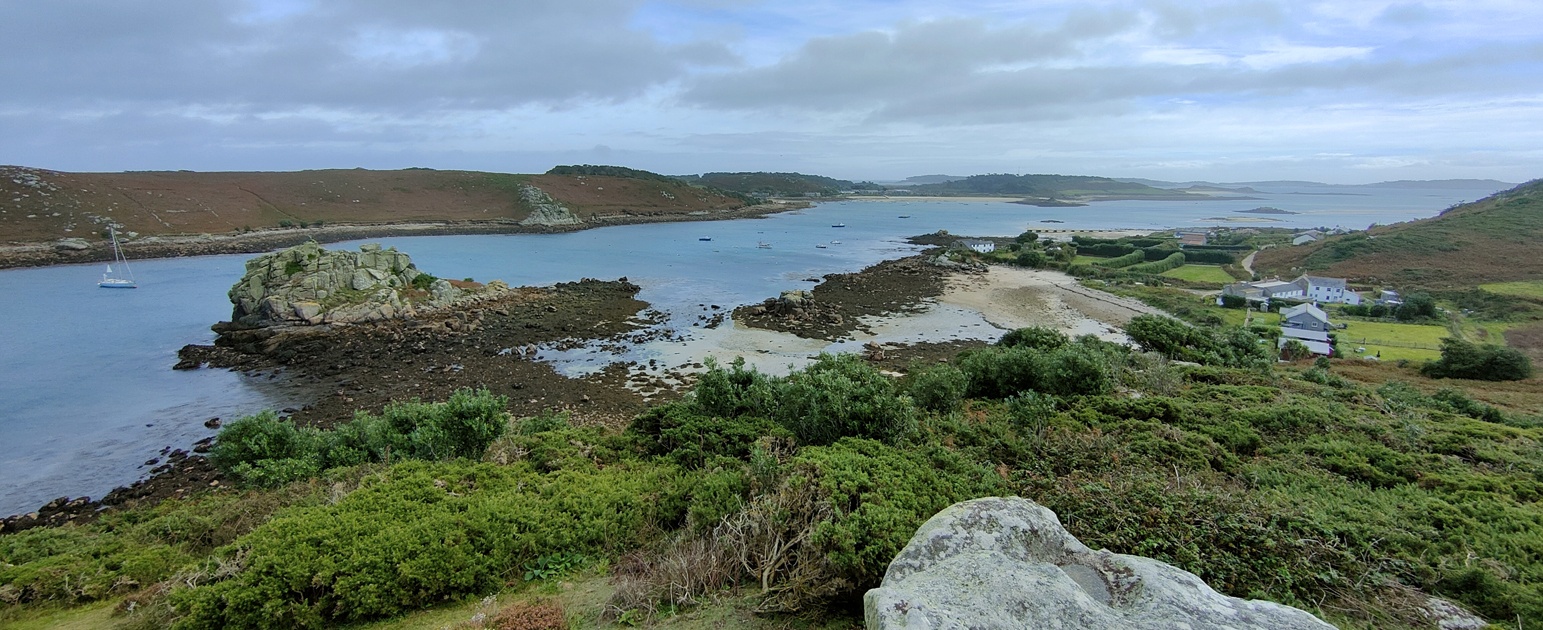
(1008, 563)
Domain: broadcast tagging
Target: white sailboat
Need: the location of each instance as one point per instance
(117, 280)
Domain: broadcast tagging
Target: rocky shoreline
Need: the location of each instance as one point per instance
(834, 309)
(76, 251)
(490, 340)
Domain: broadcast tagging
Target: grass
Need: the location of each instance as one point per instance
(87, 617)
(1525, 288)
(1087, 260)
(1414, 342)
(1200, 273)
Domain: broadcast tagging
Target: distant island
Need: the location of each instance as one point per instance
(1266, 210)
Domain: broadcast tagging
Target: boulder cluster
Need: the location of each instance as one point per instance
(307, 284)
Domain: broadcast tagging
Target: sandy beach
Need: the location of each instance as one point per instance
(1011, 297)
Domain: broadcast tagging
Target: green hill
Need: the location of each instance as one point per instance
(772, 184)
(1494, 239)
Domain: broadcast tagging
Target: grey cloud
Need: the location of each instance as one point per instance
(208, 52)
(962, 72)
(870, 67)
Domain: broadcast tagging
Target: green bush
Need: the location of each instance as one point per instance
(1485, 362)
(1173, 261)
(880, 495)
(1079, 368)
(841, 396)
(1121, 261)
(938, 388)
(679, 433)
(267, 451)
(733, 391)
(1035, 337)
(423, 533)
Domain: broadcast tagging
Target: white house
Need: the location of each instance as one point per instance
(1330, 290)
(984, 247)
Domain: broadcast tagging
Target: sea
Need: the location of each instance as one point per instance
(88, 397)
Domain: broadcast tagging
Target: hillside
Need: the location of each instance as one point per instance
(39, 206)
(1048, 186)
(773, 184)
(1494, 239)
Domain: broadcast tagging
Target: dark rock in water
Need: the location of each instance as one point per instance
(212, 423)
(152, 461)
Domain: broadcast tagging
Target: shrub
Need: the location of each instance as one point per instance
(423, 533)
(1073, 369)
(1031, 258)
(842, 396)
(1234, 301)
(1485, 362)
(1035, 337)
(1415, 307)
(1122, 261)
(692, 440)
(734, 391)
(267, 451)
(938, 388)
(1173, 261)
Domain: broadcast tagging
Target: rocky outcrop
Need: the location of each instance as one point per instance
(306, 284)
(1008, 563)
(544, 210)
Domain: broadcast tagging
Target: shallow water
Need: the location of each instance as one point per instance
(83, 370)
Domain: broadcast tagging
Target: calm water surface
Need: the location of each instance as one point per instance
(85, 373)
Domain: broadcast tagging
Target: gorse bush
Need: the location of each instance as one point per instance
(937, 388)
(842, 396)
(265, 450)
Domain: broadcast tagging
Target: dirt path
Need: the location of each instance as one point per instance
(1248, 262)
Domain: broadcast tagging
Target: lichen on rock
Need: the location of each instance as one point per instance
(544, 210)
(1006, 562)
(307, 284)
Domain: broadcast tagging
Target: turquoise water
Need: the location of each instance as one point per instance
(89, 393)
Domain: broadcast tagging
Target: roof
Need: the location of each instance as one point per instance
(1308, 309)
(1273, 284)
(1328, 283)
(971, 242)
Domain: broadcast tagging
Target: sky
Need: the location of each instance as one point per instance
(1340, 91)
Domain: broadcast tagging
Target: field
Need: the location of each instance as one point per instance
(1087, 260)
(1523, 289)
(1200, 273)
(1414, 342)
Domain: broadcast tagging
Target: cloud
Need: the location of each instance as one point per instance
(367, 55)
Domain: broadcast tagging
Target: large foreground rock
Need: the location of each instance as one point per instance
(1008, 563)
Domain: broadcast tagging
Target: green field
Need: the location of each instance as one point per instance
(1524, 289)
(1200, 273)
(1087, 260)
(1415, 342)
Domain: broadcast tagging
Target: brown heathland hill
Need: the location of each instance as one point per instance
(1495, 239)
(40, 206)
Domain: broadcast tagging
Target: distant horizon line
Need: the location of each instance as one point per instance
(891, 182)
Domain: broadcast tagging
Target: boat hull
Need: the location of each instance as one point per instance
(117, 284)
